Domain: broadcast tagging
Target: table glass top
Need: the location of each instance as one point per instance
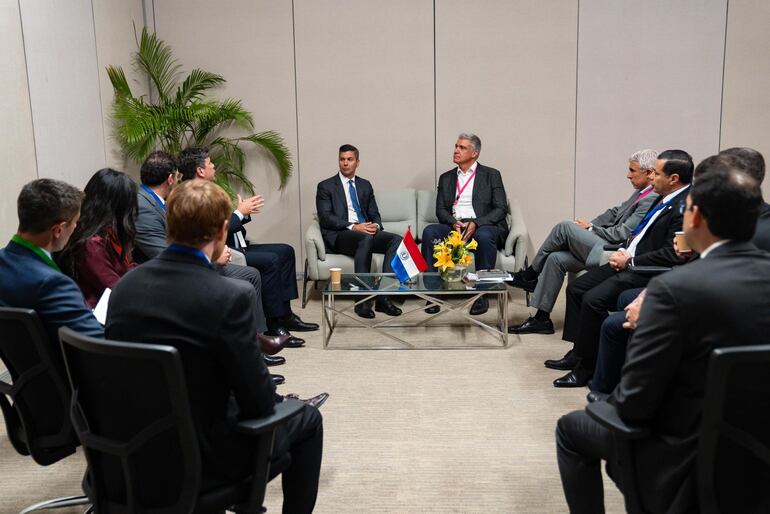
(425, 282)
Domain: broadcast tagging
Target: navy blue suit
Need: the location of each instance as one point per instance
(28, 282)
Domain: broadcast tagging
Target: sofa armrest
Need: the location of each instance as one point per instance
(314, 249)
(517, 242)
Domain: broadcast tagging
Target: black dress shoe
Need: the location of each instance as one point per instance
(294, 324)
(480, 306)
(596, 396)
(278, 379)
(386, 306)
(291, 342)
(578, 377)
(523, 283)
(568, 362)
(364, 310)
(273, 361)
(533, 326)
(433, 309)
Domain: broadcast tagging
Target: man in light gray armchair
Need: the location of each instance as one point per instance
(579, 244)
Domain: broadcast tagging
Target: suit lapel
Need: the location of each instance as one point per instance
(340, 201)
(154, 204)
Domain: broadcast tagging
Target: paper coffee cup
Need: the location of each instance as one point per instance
(336, 275)
(681, 242)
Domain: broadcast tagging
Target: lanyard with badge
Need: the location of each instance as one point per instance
(461, 190)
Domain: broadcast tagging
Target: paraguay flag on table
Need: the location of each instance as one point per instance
(408, 261)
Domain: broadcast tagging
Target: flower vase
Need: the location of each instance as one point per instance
(456, 274)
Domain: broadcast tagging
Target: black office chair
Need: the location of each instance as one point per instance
(35, 396)
(733, 459)
(154, 434)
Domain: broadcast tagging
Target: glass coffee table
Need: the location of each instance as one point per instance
(452, 297)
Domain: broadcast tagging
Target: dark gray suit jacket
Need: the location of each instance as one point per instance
(616, 223)
(150, 227)
(489, 200)
(721, 300)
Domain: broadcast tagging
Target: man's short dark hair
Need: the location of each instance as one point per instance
(349, 148)
(679, 162)
(190, 159)
(729, 199)
(45, 202)
(749, 160)
(156, 168)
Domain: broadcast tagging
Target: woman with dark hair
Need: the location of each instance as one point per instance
(99, 251)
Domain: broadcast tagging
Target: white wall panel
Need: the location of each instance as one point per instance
(250, 43)
(649, 76)
(746, 101)
(506, 71)
(365, 77)
(17, 143)
(64, 88)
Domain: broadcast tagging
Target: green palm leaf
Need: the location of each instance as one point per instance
(273, 143)
(196, 84)
(155, 58)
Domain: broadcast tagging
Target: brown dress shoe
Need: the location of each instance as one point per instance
(271, 344)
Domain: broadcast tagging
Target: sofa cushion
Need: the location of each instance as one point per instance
(397, 208)
(426, 210)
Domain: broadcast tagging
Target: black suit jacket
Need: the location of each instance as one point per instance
(657, 246)
(489, 200)
(332, 207)
(175, 299)
(762, 235)
(236, 225)
(721, 300)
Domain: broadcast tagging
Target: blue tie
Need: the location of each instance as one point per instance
(354, 201)
(647, 218)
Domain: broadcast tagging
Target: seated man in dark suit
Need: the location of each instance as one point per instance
(29, 278)
(752, 162)
(471, 199)
(719, 299)
(591, 296)
(179, 300)
(351, 224)
(275, 261)
(159, 175)
(576, 245)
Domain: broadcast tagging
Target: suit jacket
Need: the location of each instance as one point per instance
(100, 268)
(489, 200)
(332, 206)
(27, 282)
(616, 223)
(762, 235)
(236, 225)
(150, 227)
(657, 246)
(721, 300)
(176, 299)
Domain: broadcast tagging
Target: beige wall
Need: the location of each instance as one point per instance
(559, 97)
(746, 100)
(17, 143)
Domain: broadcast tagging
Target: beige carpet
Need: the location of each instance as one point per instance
(405, 431)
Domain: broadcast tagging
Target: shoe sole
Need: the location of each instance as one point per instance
(543, 332)
(388, 313)
(560, 368)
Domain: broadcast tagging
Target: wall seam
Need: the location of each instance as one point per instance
(99, 86)
(29, 92)
(296, 123)
(724, 63)
(577, 74)
(435, 107)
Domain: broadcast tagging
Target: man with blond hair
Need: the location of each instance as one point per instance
(178, 299)
(576, 245)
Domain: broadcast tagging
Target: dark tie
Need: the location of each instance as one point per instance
(354, 201)
(649, 215)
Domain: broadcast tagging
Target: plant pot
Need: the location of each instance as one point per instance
(456, 274)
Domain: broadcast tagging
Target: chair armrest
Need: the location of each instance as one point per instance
(283, 411)
(314, 242)
(649, 270)
(612, 248)
(517, 242)
(607, 416)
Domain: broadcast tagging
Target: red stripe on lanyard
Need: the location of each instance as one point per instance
(461, 189)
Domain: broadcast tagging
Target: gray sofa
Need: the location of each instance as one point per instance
(400, 209)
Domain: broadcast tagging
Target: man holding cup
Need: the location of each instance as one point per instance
(351, 224)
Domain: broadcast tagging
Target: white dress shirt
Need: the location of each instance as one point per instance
(352, 214)
(666, 199)
(463, 206)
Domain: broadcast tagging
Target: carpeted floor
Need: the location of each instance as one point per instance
(405, 431)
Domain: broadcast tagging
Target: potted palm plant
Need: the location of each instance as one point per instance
(178, 115)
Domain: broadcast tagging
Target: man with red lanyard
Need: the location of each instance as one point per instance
(471, 199)
(48, 214)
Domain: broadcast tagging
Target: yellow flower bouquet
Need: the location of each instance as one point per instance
(453, 256)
